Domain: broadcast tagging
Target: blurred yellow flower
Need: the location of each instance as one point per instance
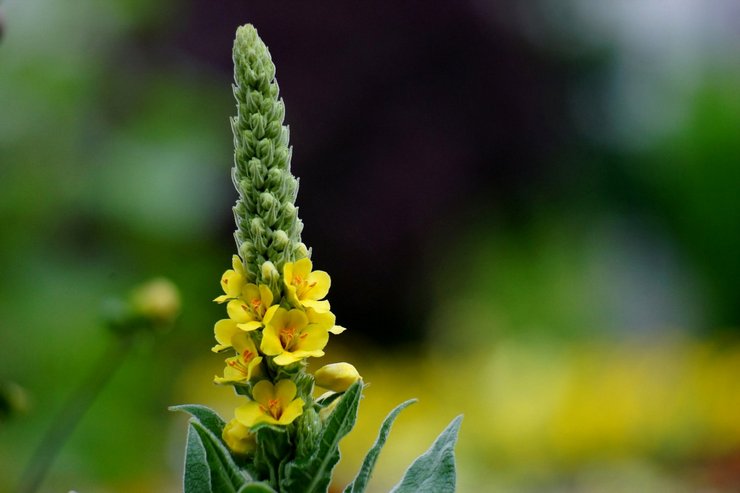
(306, 287)
(157, 299)
(290, 337)
(232, 280)
(275, 405)
(245, 365)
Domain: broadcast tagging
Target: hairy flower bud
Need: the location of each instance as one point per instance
(269, 272)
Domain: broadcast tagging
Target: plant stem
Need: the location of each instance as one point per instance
(69, 416)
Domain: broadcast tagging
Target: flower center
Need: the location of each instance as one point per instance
(256, 306)
(287, 334)
(274, 408)
(239, 366)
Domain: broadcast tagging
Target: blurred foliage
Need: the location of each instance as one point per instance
(578, 304)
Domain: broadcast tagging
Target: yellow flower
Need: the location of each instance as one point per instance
(252, 307)
(337, 376)
(304, 287)
(232, 281)
(290, 336)
(238, 437)
(274, 405)
(245, 365)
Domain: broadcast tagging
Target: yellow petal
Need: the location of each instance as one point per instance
(286, 358)
(319, 306)
(296, 318)
(239, 311)
(263, 392)
(250, 414)
(266, 295)
(302, 354)
(243, 342)
(302, 268)
(249, 292)
(287, 272)
(250, 326)
(255, 370)
(320, 283)
(285, 390)
(324, 320)
(224, 330)
(271, 344)
(221, 299)
(337, 329)
(230, 376)
(237, 265)
(312, 339)
(270, 313)
(231, 283)
(291, 412)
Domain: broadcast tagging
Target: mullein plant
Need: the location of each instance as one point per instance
(282, 438)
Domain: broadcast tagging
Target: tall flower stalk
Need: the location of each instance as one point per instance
(281, 438)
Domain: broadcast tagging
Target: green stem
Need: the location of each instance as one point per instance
(71, 413)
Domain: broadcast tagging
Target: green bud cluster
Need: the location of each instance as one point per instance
(268, 228)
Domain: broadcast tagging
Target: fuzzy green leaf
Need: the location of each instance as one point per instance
(206, 416)
(197, 478)
(226, 476)
(313, 475)
(434, 470)
(256, 488)
(359, 484)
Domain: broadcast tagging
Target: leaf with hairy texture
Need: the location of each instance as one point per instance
(359, 484)
(226, 476)
(197, 477)
(434, 470)
(206, 416)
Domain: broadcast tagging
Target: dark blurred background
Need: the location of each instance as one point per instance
(529, 210)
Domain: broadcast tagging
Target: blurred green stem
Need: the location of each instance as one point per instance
(70, 414)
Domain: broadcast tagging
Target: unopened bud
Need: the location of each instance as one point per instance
(301, 251)
(269, 272)
(337, 376)
(238, 437)
(280, 240)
